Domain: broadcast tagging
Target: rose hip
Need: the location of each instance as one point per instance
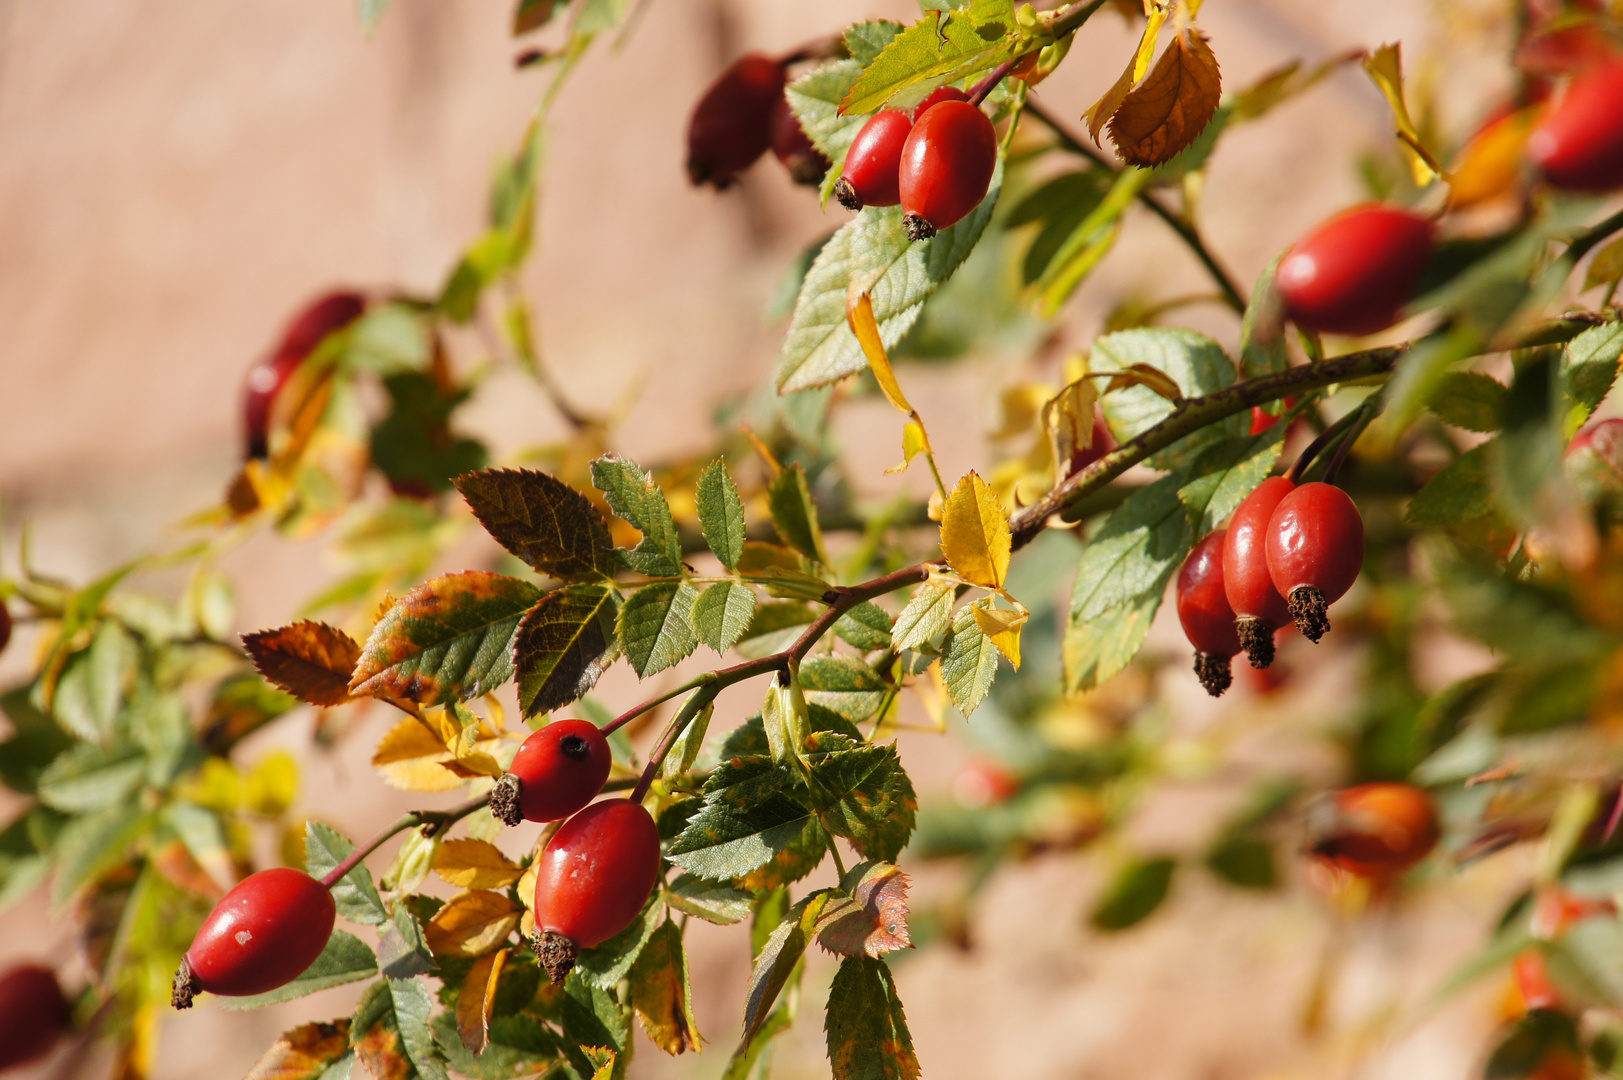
(557, 771)
(1315, 550)
(874, 161)
(33, 1014)
(592, 880)
(1259, 609)
(1578, 145)
(324, 316)
(1375, 830)
(1354, 273)
(1203, 609)
(947, 166)
(262, 935)
(732, 124)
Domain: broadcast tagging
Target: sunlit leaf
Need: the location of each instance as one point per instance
(660, 993)
(708, 900)
(927, 615)
(310, 660)
(721, 514)
(357, 898)
(1096, 649)
(475, 864)
(655, 625)
(863, 794)
(478, 1001)
(947, 45)
(748, 817)
(472, 923)
(305, 1053)
(1002, 628)
(633, 495)
(1172, 106)
(968, 662)
(975, 533)
(412, 1010)
(413, 758)
(1195, 363)
(722, 613)
(865, 626)
(778, 958)
(542, 520)
(1135, 552)
(869, 915)
(563, 645)
(867, 1031)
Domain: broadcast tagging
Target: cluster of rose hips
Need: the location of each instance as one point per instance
(1289, 552)
(743, 114)
(594, 876)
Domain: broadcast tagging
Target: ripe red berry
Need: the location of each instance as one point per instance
(1262, 419)
(732, 124)
(1533, 983)
(947, 165)
(33, 1014)
(872, 164)
(1103, 442)
(557, 771)
(262, 935)
(5, 626)
(1315, 550)
(1353, 273)
(1259, 610)
(592, 880)
(1203, 609)
(1375, 830)
(308, 329)
(806, 163)
(1578, 146)
(937, 96)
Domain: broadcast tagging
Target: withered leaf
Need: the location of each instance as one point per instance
(660, 993)
(303, 1053)
(310, 660)
(475, 864)
(563, 645)
(870, 917)
(478, 1001)
(472, 923)
(1169, 109)
(380, 1050)
(540, 519)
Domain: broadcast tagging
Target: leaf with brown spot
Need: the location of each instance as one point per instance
(563, 645)
(660, 993)
(475, 864)
(867, 1031)
(1169, 109)
(472, 924)
(383, 1055)
(478, 1001)
(303, 1053)
(448, 639)
(542, 520)
(310, 660)
(871, 917)
(412, 758)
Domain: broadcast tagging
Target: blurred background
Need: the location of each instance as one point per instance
(176, 176)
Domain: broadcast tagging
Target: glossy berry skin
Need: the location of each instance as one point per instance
(873, 162)
(1262, 419)
(1354, 273)
(732, 124)
(937, 96)
(806, 164)
(1203, 609)
(1375, 830)
(263, 934)
(593, 879)
(33, 1014)
(947, 165)
(1258, 607)
(324, 316)
(561, 768)
(5, 626)
(1315, 550)
(1578, 145)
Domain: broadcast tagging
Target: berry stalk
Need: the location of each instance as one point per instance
(436, 819)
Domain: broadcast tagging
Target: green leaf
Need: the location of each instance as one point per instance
(93, 683)
(866, 40)
(592, 1020)
(542, 520)
(1527, 469)
(1096, 649)
(1194, 361)
(927, 615)
(711, 901)
(785, 717)
(604, 965)
(204, 836)
(346, 959)
(685, 750)
(1469, 400)
(402, 948)
(866, 627)
(89, 845)
(656, 626)
(866, 797)
(750, 814)
(722, 614)
(1588, 369)
(1529, 621)
(1226, 474)
(412, 1010)
(794, 514)
(815, 98)
(633, 495)
(1243, 859)
(448, 639)
(520, 1045)
(1138, 890)
(1060, 205)
(844, 684)
(778, 958)
(414, 445)
(1262, 329)
(1461, 492)
(532, 15)
(387, 339)
(1090, 240)
(867, 1031)
(661, 995)
(357, 898)
(1135, 552)
(563, 645)
(944, 46)
(968, 661)
(721, 514)
(90, 778)
(873, 250)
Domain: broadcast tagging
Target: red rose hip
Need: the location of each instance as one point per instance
(1315, 550)
(1375, 830)
(872, 164)
(592, 880)
(937, 96)
(790, 145)
(1203, 609)
(263, 935)
(557, 771)
(732, 124)
(33, 1014)
(1578, 145)
(326, 315)
(1258, 607)
(1353, 273)
(947, 165)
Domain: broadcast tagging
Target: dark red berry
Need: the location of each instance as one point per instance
(5, 626)
(1353, 273)
(1578, 146)
(937, 96)
(263, 935)
(1262, 419)
(1259, 610)
(1203, 609)
(872, 164)
(806, 163)
(592, 880)
(1103, 442)
(1375, 830)
(947, 165)
(308, 329)
(33, 1014)
(1315, 550)
(732, 124)
(557, 771)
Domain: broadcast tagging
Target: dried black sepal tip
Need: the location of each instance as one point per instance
(917, 228)
(847, 195)
(1310, 611)
(185, 987)
(1257, 639)
(507, 800)
(556, 953)
(1213, 672)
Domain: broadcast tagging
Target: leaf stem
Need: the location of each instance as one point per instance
(673, 731)
(1361, 418)
(980, 90)
(834, 850)
(1317, 446)
(437, 819)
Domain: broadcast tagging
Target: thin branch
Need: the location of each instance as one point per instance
(438, 819)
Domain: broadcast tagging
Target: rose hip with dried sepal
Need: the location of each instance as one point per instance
(1203, 609)
(731, 125)
(1259, 609)
(558, 770)
(791, 146)
(874, 161)
(947, 166)
(1315, 550)
(262, 935)
(34, 1014)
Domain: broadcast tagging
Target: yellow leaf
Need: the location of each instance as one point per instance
(1151, 378)
(304, 1051)
(1003, 627)
(475, 864)
(216, 785)
(526, 886)
(602, 1058)
(1106, 106)
(1169, 110)
(1022, 406)
(478, 1001)
(412, 757)
(471, 924)
(975, 533)
(859, 314)
(1385, 67)
(1068, 419)
(272, 784)
(913, 444)
(660, 992)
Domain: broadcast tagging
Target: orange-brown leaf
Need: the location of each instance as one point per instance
(383, 1055)
(310, 660)
(471, 924)
(478, 1001)
(1168, 110)
(871, 918)
(303, 1053)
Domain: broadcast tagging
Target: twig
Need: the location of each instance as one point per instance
(678, 724)
(438, 819)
